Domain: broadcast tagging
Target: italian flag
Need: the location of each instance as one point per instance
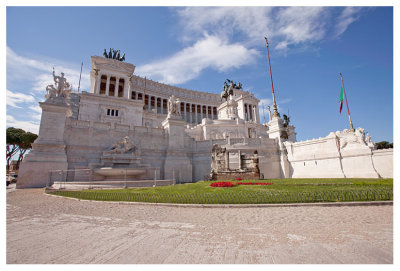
(341, 100)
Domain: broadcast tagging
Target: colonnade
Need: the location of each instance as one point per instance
(192, 113)
(250, 112)
(111, 85)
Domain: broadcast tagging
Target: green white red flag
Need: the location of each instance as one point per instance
(341, 100)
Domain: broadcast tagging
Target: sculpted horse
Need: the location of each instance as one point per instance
(228, 91)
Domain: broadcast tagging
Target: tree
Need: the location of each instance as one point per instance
(13, 138)
(18, 140)
(25, 144)
(383, 145)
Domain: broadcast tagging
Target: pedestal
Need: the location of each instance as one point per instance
(177, 164)
(48, 150)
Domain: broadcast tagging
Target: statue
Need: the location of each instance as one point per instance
(347, 138)
(173, 107)
(123, 146)
(360, 135)
(227, 91)
(51, 91)
(61, 89)
(114, 54)
(369, 142)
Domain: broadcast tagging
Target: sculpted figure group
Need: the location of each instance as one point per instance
(61, 87)
(114, 54)
(357, 137)
(123, 146)
(173, 106)
(228, 89)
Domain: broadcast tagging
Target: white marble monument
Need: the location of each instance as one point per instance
(173, 131)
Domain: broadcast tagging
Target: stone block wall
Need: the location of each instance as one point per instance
(329, 157)
(383, 162)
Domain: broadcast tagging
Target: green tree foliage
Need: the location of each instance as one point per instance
(26, 143)
(384, 145)
(18, 140)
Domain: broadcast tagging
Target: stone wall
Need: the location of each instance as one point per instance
(86, 140)
(339, 155)
(383, 162)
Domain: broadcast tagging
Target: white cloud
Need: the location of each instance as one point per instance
(223, 38)
(300, 25)
(225, 22)
(14, 98)
(284, 26)
(348, 16)
(25, 125)
(40, 71)
(251, 24)
(38, 112)
(33, 74)
(210, 52)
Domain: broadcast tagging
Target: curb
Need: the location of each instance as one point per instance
(312, 204)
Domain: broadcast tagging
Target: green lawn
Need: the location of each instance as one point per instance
(282, 191)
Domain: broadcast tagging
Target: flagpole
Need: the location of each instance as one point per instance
(347, 104)
(275, 114)
(80, 76)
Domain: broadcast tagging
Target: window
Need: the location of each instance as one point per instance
(112, 112)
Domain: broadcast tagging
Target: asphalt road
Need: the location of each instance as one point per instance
(49, 229)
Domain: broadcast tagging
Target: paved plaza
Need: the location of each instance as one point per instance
(49, 229)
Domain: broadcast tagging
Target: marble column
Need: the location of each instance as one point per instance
(116, 87)
(126, 93)
(191, 113)
(108, 86)
(97, 82)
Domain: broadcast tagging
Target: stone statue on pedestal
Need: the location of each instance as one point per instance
(61, 87)
(173, 107)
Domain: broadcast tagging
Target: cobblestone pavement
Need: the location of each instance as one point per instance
(49, 229)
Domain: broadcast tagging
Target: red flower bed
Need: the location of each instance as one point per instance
(222, 184)
(241, 183)
(231, 184)
(238, 179)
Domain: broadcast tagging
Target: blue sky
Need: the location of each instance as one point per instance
(199, 47)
